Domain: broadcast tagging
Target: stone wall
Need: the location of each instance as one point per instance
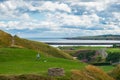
(56, 72)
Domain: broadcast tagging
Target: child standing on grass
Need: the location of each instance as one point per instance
(38, 57)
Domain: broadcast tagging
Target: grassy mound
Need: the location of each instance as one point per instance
(90, 73)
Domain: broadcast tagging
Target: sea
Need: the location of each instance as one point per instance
(59, 40)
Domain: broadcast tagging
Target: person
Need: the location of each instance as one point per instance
(38, 56)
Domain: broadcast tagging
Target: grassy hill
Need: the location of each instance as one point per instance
(6, 41)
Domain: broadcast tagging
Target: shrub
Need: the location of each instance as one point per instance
(113, 57)
(86, 56)
(101, 63)
(114, 45)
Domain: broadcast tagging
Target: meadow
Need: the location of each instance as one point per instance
(23, 61)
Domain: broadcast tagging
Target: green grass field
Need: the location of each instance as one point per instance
(81, 47)
(113, 50)
(107, 68)
(23, 61)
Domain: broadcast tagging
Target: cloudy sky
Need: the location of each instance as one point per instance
(60, 18)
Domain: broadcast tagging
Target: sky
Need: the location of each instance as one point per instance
(60, 18)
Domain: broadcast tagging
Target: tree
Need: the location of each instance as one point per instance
(114, 45)
(113, 57)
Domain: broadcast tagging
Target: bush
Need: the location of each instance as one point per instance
(114, 45)
(86, 56)
(113, 57)
(101, 64)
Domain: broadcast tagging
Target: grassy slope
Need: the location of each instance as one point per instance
(90, 73)
(23, 61)
(38, 46)
(6, 40)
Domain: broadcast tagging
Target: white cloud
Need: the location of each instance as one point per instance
(96, 5)
(116, 15)
(2, 24)
(9, 11)
(29, 25)
(67, 17)
(55, 6)
(25, 16)
(99, 6)
(49, 6)
(74, 20)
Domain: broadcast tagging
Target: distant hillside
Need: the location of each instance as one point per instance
(6, 40)
(99, 37)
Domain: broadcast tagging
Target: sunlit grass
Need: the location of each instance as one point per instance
(23, 61)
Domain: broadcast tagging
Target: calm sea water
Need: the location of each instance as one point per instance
(58, 40)
(48, 39)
